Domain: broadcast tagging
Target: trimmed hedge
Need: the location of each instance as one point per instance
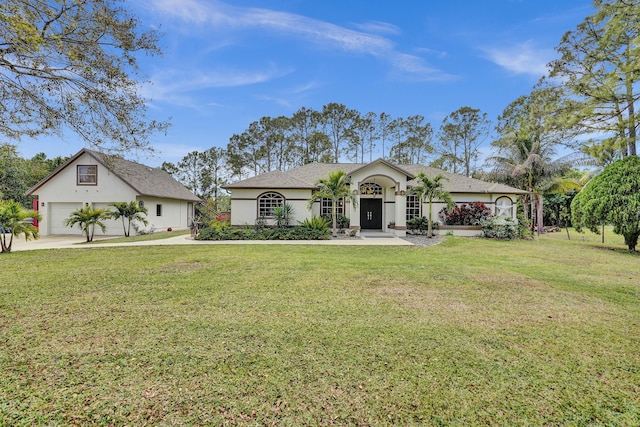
(288, 233)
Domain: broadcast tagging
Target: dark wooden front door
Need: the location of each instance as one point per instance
(371, 214)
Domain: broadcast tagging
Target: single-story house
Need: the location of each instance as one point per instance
(94, 179)
(381, 189)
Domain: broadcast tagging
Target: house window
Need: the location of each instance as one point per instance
(327, 204)
(413, 206)
(87, 175)
(158, 210)
(370, 188)
(504, 207)
(267, 202)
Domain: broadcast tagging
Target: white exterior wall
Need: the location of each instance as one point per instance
(59, 196)
(175, 214)
(244, 205)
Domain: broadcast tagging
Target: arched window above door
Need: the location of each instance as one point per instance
(370, 188)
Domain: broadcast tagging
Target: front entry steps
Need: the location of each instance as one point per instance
(375, 234)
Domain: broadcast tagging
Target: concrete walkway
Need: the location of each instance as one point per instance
(77, 242)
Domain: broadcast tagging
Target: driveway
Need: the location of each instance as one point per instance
(78, 242)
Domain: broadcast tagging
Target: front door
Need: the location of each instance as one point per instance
(371, 214)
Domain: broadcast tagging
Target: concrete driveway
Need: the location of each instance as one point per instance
(78, 242)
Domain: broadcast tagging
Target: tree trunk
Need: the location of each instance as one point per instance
(429, 225)
(539, 215)
(334, 216)
(532, 207)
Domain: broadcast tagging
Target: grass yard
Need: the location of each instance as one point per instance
(468, 332)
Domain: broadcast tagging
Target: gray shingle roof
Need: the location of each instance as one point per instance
(308, 175)
(145, 180)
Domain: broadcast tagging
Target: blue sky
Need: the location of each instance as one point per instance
(227, 64)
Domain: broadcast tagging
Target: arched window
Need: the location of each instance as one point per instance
(370, 188)
(504, 207)
(267, 202)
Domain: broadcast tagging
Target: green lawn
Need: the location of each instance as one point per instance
(141, 237)
(468, 332)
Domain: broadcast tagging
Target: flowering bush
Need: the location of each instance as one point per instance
(465, 214)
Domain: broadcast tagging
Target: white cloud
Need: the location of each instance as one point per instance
(414, 68)
(218, 14)
(378, 27)
(173, 86)
(522, 58)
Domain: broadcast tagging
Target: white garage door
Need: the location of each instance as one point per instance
(58, 213)
(114, 227)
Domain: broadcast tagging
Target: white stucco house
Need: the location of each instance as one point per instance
(381, 190)
(93, 179)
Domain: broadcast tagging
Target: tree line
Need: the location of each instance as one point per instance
(334, 134)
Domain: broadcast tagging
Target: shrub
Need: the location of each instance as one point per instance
(290, 233)
(342, 221)
(465, 214)
(283, 214)
(419, 225)
(316, 223)
(501, 228)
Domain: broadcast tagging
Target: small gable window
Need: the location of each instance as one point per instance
(87, 175)
(267, 202)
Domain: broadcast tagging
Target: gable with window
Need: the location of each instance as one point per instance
(267, 202)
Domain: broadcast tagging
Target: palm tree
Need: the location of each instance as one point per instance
(427, 190)
(13, 221)
(87, 218)
(334, 187)
(528, 164)
(131, 211)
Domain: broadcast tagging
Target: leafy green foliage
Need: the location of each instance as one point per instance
(316, 223)
(419, 224)
(289, 233)
(73, 65)
(460, 136)
(503, 228)
(14, 221)
(283, 214)
(598, 65)
(612, 197)
(342, 221)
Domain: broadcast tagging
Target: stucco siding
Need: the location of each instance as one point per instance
(244, 204)
(62, 194)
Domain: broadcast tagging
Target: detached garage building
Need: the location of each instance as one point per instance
(94, 179)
